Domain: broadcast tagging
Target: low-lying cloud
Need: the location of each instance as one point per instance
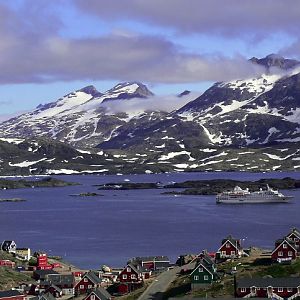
(135, 106)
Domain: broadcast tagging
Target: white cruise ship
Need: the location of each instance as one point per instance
(239, 195)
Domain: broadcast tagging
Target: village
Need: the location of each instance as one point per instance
(230, 272)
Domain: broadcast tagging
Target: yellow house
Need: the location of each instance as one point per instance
(23, 253)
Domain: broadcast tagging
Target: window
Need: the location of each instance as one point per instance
(132, 276)
(205, 277)
(85, 280)
(243, 290)
(290, 253)
(128, 269)
(280, 253)
(296, 240)
(280, 289)
(81, 286)
(284, 246)
(228, 245)
(196, 277)
(124, 276)
(92, 297)
(90, 286)
(200, 269)
(223, 252)
(232, 252)
(290, 290)
(257, 289)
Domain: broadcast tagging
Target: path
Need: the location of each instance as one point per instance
(157, 288)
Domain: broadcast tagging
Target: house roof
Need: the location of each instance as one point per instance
(93, 277)
(205, 258)
(208, 268)
(47, 296)
(10, 293)
(265, 282)
(61, 279)
(232, 240)
(134, 268)
(101, 293)
(140, 259)
(55, 287)
(295, 231)
(44, 272)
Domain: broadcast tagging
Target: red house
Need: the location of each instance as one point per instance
(284, 251)
(130, 279)
(294, 236)
(11, 295)
(275, 288)
(88, 282)
(230, 248)
(7, 263)
(98, 294)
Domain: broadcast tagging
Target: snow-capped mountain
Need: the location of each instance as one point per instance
(79, 118)
(241, 114)
(249, 124)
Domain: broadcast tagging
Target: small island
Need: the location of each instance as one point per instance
(88, 194)
(12, 200)
(44, 182)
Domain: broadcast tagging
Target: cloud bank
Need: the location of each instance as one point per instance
(230, 17)
(33, 52)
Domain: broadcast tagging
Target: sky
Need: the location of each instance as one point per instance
(50, 48)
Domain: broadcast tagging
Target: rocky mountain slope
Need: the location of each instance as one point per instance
(250, 124)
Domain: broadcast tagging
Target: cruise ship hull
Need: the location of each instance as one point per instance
(251, 200)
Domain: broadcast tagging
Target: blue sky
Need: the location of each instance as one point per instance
(50, 48)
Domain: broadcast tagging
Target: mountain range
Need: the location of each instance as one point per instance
(248, 124)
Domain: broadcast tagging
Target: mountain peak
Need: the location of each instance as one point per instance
(128, 90)
(184, 93)
(91, 90)
(275, 60)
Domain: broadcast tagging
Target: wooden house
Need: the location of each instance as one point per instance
(129, 279)
(9, 246)
(66, 282)
(88, 282)
(285, 251)
(205, 272)
(275, 288)
(230, 248)
(23, 253)
(153, 263)
(294, 235)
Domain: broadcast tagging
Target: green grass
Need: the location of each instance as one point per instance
(278, 270)
(10, 278)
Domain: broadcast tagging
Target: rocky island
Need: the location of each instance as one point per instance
(44, 182)
(206, 187)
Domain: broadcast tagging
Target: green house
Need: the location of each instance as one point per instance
(204, 274)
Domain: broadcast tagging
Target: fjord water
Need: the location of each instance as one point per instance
(91, 231)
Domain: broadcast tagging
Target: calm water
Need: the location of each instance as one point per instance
(109, 230)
